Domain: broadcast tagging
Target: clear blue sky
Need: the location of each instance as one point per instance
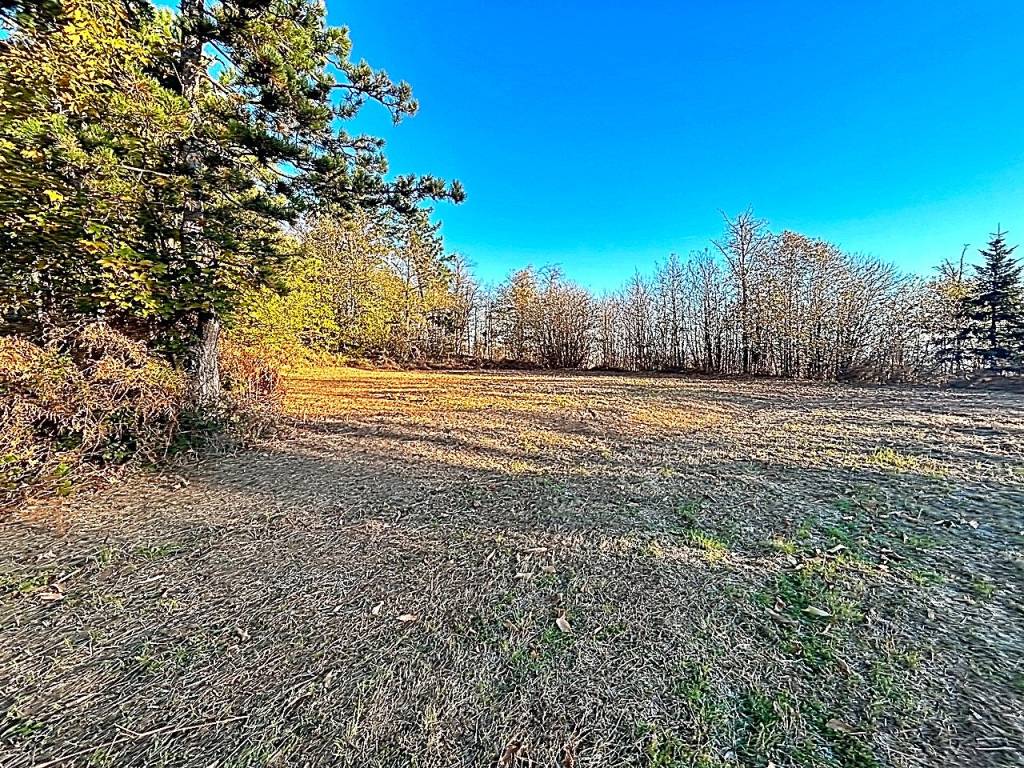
(602, 136)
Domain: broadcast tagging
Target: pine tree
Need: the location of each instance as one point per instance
(154, 161)
(268, 85)
(994, 330)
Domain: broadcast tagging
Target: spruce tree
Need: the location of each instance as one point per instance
(994, 330)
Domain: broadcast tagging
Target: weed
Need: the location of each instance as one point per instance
(665, 749)
(838, 534)
(822, 593)
(146, 661)
(707, 714)
(158, 551)
(919, 541)
(891, 459)
(926, 577)
(784, 546)
(848, 748)
(19, 725)
(687, 512)
(541, 654)
(983, 589)
(804, 531)
(107, 555)
(714, 550)
(654, 549)
(887, 689)
(168, 605)
(610, 631)
(821, 585)
(23, 584)
(853, 752)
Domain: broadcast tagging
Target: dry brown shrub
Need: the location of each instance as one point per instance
(77, 406)
(253, 391)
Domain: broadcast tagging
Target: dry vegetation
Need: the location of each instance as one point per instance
(76, 407)
(539, 569)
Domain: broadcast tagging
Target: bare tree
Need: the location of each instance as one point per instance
(745, 242)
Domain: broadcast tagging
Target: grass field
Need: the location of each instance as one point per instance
(513, 569)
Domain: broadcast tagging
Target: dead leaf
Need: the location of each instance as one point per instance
(547, 569)
(782, 619)
(835, 724)
(563, 624)
(812, 611)
(375, 611)
(568, 756)
(509, 755)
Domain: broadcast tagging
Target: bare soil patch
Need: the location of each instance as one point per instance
(511, 569)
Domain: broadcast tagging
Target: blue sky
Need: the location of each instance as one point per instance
(602, 136)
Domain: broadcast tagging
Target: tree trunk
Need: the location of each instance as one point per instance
(204, 384)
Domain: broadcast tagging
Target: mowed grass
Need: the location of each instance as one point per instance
(512, 569)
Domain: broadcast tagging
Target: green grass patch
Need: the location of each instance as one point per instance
(20, 584)
(896, 461)
(706, 715)
(983, 589)
(765, 716)
(159, 551)
(540, 655)
(714, 550)
(822, 594)
(17, 725)
(713, 544)
(664, 748)
(784, 546)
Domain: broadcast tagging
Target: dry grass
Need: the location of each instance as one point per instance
(750, 572)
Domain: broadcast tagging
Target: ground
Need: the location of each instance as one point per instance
(512, 569)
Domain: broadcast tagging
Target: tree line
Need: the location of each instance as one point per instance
(754, 302)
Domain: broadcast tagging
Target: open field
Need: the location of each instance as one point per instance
(514, 569)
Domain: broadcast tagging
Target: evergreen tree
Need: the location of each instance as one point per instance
(995, 317)
(82, 122)
(160, 157)
(945, 313)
